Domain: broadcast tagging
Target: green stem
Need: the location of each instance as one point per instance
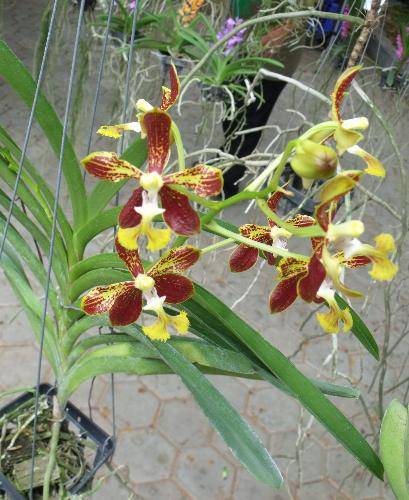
(179, 145)
(217, 245)
(55, 436)
(301, 232)
(255, 244)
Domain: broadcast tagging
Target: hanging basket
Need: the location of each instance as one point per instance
(83, 447)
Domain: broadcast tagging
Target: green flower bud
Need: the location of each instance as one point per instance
(314, 161)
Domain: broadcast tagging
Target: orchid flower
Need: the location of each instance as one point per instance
(346, 134)
(244, 257)
(137, 216)
(162, 283)
(169, 97)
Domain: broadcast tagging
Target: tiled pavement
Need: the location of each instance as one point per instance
(166, 449)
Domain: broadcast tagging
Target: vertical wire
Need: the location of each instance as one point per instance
(53, 235)
(94, 112)
(100, 75)
(120, 151)
(29, 125)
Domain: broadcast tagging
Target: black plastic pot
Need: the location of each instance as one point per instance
(213, 93)
(105, 444)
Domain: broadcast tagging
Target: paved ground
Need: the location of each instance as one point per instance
(166, 448)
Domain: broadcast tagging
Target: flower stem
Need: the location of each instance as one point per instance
(215, 228)
(217, 245)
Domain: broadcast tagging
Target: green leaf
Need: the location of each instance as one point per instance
(394, 446)
(41, 185)
(309, 396)
(360, 330)
(94, 227)
(241, 439)
(19, 78)
(104, 191)
(60, 259)
(33, 309)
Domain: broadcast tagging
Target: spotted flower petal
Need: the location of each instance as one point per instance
(331, 192)
(179, 215)
(341, 87)
(116, 131)
(128, 217)
(130, 257)
(157, 126)
(202, 179)
(109, 167)
(383, 269)
(285, 293)
(174, 287)
(309, 285)
(175, 260)
(243, 258)
(122, 300)
(333, 270)
(170, 96)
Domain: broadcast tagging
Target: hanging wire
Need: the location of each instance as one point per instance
(53, 235)
(120, 150)
(29, 124)
(100, 75)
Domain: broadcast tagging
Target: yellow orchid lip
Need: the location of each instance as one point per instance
(329, 321)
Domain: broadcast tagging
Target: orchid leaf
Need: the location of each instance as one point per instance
(21, 81)
(360, 330)
(394, 446)
(239, 437)
(309, 396)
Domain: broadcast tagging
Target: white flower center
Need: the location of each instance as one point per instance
(150, 207)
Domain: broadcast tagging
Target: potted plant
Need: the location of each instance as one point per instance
(112, 290)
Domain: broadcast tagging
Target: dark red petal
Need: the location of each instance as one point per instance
(309, 285)
(179, 215)
(126, 308)
(131, 259)
(128, 217)
(169, 96)
(175, 260)
(109, 167)
(243, 258)
(174, 287)
(284, 294)
(271, 258)
(156, 124)
(100, 299)
(274, 200)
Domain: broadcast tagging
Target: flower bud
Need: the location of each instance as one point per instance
(314, 161)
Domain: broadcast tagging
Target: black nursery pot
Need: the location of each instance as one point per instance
(80, 427)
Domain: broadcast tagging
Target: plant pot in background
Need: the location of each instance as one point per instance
(79, 435)
(213, 93)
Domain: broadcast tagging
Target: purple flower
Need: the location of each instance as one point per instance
(399, 47)
(345, 26)
(132, 5)
(235, 40)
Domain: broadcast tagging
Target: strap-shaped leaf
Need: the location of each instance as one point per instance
(309, 396)
(394, 446)
(239, 437)
(41, 185)
(21, 81)
(360, 330)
